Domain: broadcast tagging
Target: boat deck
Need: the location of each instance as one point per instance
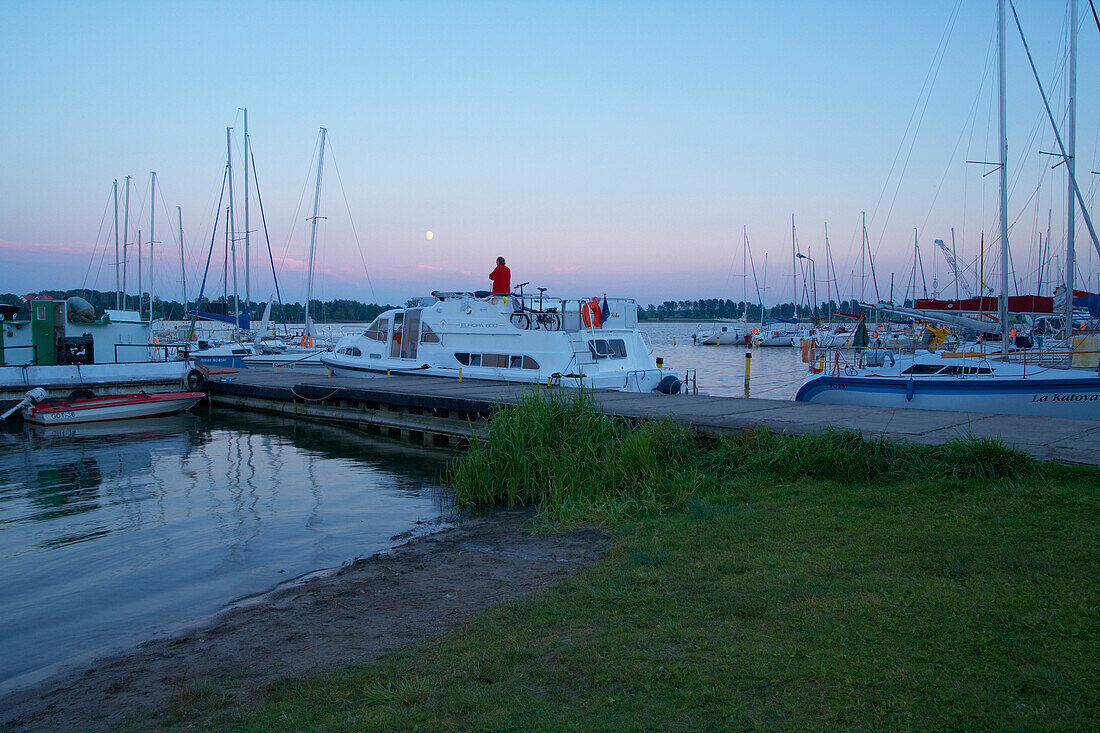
(442, 410)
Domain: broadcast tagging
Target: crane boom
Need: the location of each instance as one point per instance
(954, 265)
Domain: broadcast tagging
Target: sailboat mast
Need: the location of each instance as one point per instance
(118, 293)
(863, 259)
(247, 268)
(313, 229)
(183, 267)
(1003, 150)
(794, 268)
(139, 274)
(1071, 146)
(125, 240)
(957, 274)
(152, 212)
(744, 271)
(229, 223)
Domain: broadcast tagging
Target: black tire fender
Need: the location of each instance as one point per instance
(195, 380)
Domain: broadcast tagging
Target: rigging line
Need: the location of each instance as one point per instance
(209, 253)
(270, 255)
(951, 158)
(938, 54)
(355, 233)
(913, 142)
(95, 247)
(1061, 147)
(298, 209)
(1094, 16)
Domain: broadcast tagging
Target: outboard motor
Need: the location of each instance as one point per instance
(669, 385)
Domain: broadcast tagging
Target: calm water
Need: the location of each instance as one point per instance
(113, 533)
(776, 371)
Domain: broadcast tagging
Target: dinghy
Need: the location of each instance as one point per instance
(40, 411)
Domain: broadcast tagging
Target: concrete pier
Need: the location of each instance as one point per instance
(441, 411)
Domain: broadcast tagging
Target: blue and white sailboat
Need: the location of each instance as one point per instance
(975, 381)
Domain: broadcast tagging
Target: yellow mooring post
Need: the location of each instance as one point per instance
(387, 372)
(718, 341)
(673, 340)
(460, 375)
(748, 368)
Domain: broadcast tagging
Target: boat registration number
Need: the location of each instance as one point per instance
(60, 415)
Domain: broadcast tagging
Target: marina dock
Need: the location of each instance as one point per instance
(442, 411)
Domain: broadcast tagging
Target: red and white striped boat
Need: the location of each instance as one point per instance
(113, 407)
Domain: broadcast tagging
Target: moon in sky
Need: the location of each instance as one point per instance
(429, 235)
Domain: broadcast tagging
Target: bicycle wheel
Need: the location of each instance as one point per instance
(550, 321)
(520, 320)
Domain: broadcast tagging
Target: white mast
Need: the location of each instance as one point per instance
(139, 274)
(229, 223)
(794, 268)
(118, 293)
(125, 240)
(863, 260)
(247, 268)
(313, 230)
(1003, 300)
(152, 213)
(745, 271)
(183, 267)
(1071, 145)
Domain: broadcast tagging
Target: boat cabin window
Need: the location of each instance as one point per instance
(600, 348)
(604, 348)
(957, 370)
(351, 351)
(499, 361)
(427, 335)
(923, 369)
(241, 351)
(379, 330)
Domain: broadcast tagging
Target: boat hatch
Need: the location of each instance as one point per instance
(924, 369)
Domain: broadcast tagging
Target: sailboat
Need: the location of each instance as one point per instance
(973, 380)
(729, 331)
(260, 347)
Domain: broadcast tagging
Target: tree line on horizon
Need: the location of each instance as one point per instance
(339, 310)
(343, 310)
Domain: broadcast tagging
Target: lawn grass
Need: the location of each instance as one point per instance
(760, 582)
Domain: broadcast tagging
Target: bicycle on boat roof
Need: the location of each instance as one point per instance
(548, 319)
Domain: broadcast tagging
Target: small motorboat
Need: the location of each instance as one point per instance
(39, 410)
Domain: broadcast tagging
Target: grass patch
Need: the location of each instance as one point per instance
(757, 582)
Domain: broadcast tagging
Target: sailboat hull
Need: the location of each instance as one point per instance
(1073, 397)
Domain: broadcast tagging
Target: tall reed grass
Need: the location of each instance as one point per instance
(559, 452)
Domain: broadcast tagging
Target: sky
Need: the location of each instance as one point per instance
(619, 148)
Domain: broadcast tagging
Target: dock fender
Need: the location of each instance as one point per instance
(909, 390)
(668, 385)
(196, 380)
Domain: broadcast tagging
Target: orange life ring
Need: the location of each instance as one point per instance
(590, 314)
(807, 345)
(307, 341)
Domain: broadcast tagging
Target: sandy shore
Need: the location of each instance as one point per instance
(418, 589)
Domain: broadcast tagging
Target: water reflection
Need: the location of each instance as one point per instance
(109, 532)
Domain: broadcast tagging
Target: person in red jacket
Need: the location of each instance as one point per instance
(501, 277)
